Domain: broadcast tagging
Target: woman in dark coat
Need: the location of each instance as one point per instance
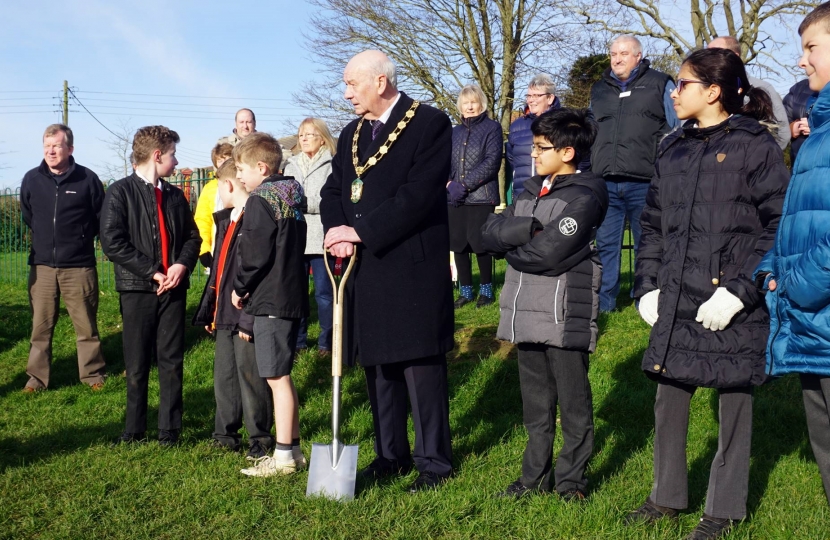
(473, 191)
(711, 214)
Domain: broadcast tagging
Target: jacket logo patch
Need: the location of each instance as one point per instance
(71, 191)
(567, 226)
(721, 157)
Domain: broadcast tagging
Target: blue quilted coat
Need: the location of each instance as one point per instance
(799, 262)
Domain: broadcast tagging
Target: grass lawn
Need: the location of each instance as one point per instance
(59, 478)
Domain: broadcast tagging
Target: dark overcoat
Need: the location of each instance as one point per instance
(399, 305)
(711, 214)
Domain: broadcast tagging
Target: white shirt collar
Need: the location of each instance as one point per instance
(236, 212)
(385, 116)
(138, 174)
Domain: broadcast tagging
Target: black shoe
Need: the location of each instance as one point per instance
(426, 480)
(462, 301)
(129, 438)
(484, 301)
(710, 528)
(516, 490)
(573, 494)
(382, 468)
(257, 450)
(168, 437)
(649, 513)
(219, 445)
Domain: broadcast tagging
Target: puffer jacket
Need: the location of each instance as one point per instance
(551, 288)
(799, 307)
(312, 183)
(517, 151)
(711, 213)
(130, 233)
(476, 158)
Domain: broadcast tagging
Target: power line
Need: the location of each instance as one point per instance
(220, 118)
(180, 96)
(92, 115)
(167, 110)
(26, 91)
(190, 104)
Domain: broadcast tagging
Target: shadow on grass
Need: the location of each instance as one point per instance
(627, 413)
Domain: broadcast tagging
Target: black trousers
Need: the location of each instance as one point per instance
(240, 393)
(815, 391)
(150, 322)
(729, 473)
(425, 381)
(550, 376)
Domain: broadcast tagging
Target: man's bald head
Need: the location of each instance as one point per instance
(371, 83)
(726, 42)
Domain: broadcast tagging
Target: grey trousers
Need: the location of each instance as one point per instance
(816, 393)
(729, 473)
(240, 393)
(79, 289)
(548, 377)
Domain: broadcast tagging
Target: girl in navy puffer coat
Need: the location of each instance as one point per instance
(711, 214)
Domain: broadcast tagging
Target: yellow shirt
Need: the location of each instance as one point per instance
(204, 215)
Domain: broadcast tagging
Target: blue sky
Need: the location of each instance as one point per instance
(223, 55)
(230, 50)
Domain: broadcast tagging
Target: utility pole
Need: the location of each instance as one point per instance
(65, 103)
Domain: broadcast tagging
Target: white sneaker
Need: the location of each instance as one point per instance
(272, 466)
(299, 458)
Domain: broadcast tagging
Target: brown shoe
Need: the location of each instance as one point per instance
(31, 389)
(97, 386)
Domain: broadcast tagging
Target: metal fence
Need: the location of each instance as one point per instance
(15, 236)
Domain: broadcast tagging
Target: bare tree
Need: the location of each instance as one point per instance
(750, 21)
(120, 144)
(438, 46)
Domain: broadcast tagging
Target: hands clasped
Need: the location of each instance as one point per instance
(170, 280)
(717, 312)
(340, 241)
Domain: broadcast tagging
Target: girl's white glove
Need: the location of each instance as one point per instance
(718, 311)
(648, 306)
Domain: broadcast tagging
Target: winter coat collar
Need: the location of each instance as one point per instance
(733, 123)
(555, 105)
(44, 170)
(820, 112)
(636, 73)
(470, 122)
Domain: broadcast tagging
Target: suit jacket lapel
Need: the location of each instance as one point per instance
(396, 116)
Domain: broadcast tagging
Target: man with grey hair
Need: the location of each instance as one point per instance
(782, 131)
(385, 202)
(245, 121)
(61, 202)
(634, 110)
(541, 98)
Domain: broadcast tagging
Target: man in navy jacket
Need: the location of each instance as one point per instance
(61, 202)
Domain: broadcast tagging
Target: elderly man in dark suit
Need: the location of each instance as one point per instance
(385, 200)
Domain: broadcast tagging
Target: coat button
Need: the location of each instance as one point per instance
(656, 367)
(358, 216)
(715, 281)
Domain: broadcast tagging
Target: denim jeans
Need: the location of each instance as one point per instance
(626, 199)
(324, 297)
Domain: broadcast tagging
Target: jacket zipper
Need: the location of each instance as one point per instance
(774, 336)
(55, 227)
(519, 288)
(556, 303)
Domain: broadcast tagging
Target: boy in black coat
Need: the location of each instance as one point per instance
(147, 230)
(272, 284)
(239, 390)
(550, 300)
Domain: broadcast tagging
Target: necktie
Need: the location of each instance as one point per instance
(377, 125)
(545, 190)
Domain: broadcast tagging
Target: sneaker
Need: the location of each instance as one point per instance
(710, 528)
(299, 457)
(97, 387)
(516, 490)
(32, 389)
(271, 466)
(461, 302)
(649, 513)
(257, 450)
(484, 301)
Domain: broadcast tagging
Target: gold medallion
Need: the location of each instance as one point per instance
(357, 190)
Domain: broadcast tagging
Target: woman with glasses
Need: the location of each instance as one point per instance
(311, 167)
(711, 214)
(540, 99)
(473, 191)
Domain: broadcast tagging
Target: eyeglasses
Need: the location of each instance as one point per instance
(681, 83)
(537, 96)
(540, 149)
(308, 136)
